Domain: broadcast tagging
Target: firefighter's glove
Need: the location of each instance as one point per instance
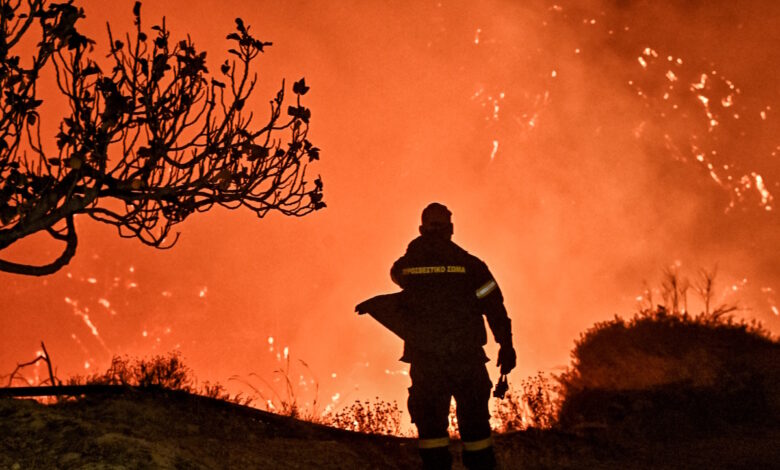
(362, 308)
(507, 359)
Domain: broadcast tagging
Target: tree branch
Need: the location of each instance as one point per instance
(53, 267)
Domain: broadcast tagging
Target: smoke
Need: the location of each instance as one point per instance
(545, 129)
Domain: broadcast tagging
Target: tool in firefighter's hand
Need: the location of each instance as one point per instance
(501, 387)
(388, 310)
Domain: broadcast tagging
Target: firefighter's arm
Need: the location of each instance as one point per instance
(498, 319)
(492, 304)
(501, 326)
(395, 273)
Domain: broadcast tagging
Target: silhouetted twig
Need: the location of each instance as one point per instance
(41, 357)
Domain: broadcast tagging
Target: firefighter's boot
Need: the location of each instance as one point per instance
(437, 458)
(483, 459)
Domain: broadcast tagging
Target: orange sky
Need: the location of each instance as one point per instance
(572, 145)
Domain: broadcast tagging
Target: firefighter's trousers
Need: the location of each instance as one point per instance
(434, 382)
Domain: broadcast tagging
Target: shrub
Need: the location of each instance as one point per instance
(380, 417)
(532, 406)
(162, 371)
(665, 368)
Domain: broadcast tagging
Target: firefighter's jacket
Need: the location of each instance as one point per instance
(445, 293)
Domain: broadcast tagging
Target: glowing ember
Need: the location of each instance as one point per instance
(495, 149)
(90, 325)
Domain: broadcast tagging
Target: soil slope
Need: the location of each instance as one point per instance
(173, 430)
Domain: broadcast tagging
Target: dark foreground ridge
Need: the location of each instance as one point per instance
(169, 429)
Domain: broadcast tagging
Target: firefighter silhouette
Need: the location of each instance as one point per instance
(438, 314)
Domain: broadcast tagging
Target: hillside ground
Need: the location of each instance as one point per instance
(176, 430)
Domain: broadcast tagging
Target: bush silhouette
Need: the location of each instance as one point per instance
(162, 371)
(664, 370)
(533, 405)
(380, 417)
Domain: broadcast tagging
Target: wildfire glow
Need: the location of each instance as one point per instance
(621, 144)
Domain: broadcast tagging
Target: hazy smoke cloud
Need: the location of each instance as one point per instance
(565, 140)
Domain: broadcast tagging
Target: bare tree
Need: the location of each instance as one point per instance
(149, 137)
(705, 287)
(674, 291)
